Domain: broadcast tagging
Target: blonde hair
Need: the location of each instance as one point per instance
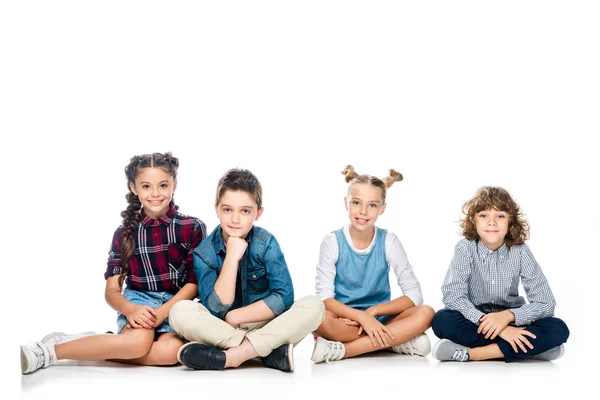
(353, 178)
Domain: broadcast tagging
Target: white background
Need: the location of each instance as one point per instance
(453, 94)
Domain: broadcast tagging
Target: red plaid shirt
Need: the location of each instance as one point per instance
(162, 260)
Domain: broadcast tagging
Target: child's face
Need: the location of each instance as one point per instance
(364, 205)
(492, 227)
(155, 188)
(237, 211)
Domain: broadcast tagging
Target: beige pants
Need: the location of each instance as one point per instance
(195, 323)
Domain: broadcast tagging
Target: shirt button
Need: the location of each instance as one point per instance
(253, 276)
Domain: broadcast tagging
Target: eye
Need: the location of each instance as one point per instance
(482, 216)
(226, 209)
(246, 212)
(355, 202)
(373, 205)
(164, 186)
(145, 186)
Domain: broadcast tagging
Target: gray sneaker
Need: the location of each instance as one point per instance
(61, 337)
(327, 350)
(33, 357)
(446, 350)
(552, 354)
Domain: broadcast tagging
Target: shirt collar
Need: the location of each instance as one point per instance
(484, 251)
(164, 219)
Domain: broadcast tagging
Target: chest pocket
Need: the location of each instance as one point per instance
(257, 281)
(177, 255)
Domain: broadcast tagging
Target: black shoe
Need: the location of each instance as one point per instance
(282, 358)
(198, 356)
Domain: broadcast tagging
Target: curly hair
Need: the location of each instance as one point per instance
(497, 198)
(352, 178)
(131, 215)
(240, 179)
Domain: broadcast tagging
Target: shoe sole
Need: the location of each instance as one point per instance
(24, 361)
(291, 357)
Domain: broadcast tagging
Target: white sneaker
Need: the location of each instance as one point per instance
(61, 337)
(446, 350)
(327, 350)
(33, 357)
(419, 346)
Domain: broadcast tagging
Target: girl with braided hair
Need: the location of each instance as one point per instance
(151, 253)
(353, 282)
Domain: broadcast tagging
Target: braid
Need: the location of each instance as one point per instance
(131, 215)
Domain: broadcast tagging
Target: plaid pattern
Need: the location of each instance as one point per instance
(481, 281)
(162, 260)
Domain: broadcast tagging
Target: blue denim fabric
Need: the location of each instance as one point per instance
(152, 299)
(262, 274)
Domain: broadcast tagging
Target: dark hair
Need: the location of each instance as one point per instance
(240, 179)
(131, 215)
(352, 177)
(490, 197)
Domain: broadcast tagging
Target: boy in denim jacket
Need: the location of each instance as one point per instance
(245, 288)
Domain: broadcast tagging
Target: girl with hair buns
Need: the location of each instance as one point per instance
(353, 282)
(151, 253)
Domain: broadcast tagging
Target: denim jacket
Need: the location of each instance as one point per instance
(262, 273)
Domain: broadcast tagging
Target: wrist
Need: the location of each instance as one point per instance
(510, 317)
(372, 311)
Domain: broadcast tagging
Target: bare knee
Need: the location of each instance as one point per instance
(424, 315)
(164, 352)
(329, 328)
(136, 348)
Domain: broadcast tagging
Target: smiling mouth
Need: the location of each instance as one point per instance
(155, 202)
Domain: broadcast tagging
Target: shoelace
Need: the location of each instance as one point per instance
(335, 351)
(460, 354)
(409, 348)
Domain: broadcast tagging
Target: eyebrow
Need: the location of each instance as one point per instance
(165, 181)
(227, 205)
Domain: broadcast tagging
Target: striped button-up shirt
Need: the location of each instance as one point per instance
(163, 259)
(481, 281)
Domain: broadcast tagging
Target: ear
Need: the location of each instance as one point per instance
(132, 188)
(259, 213)
(346, 202)
(217, 209)
(174, 186)
(382, 209)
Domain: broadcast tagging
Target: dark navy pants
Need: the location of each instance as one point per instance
(450, 324)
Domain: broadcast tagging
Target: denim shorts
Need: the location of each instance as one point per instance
(152, 299)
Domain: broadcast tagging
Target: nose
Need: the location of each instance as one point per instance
(492, 221)
(235, 217)
(155, 192)
(363, 210)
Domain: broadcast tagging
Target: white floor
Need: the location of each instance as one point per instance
(383, 374)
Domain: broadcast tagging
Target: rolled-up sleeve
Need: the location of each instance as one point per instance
(207, 277)
(398, 261)
(114, 256)
(281, 296)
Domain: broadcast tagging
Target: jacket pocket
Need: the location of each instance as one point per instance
(257, 281)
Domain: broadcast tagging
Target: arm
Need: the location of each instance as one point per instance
(281, 297)
(137, 316)
(187, 292)
(455, 288)
(225, 285)
(408, 282)
(207, 277)
(254, 312)
(541, 301)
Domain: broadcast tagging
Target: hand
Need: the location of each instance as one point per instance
(492, 324)
(141, 317)
(517, 336)
(380, 335)
(236, 247)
